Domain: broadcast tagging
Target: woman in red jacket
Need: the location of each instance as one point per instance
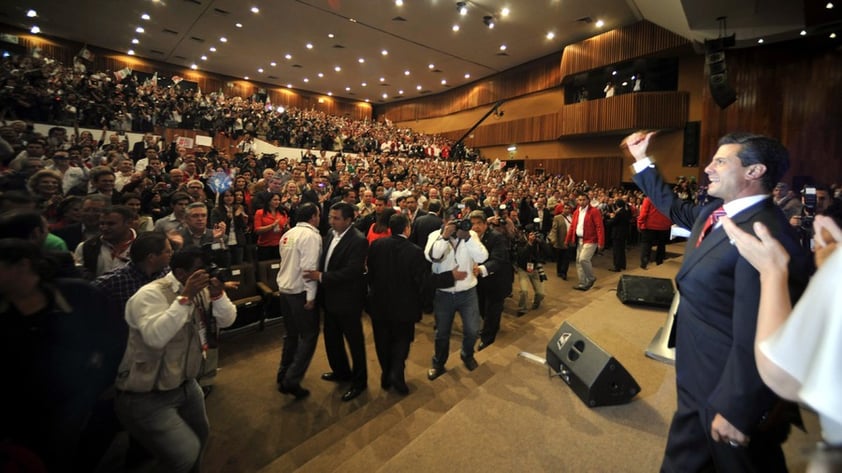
(654, 228)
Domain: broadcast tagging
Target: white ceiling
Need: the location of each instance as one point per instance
(182, 31)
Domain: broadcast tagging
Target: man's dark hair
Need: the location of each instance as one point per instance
(400, 199)
(186, 258)
(305, 212)
(147, 243)
(179, 196)
(100, 171)
(124, 211)
(434, 206)
(398, 223)
(346, 209)
(470, 203)
(382, 199)
(20, 223)
(15, 250)
(16, 199)
(759, 149)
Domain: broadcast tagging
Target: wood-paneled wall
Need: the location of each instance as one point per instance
(792, 92)
(622, 44)
(534, 76)
(606, 171)
(106, 60)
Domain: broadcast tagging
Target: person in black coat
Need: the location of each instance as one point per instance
(426, 224)
(618, 222)
(342, 297)
(398, 278)
(494, 278)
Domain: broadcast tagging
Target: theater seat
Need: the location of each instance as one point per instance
(267, 283)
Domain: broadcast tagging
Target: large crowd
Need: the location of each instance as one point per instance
(124, 216)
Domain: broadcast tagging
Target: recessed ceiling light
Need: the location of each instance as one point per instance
(505, 11)
(260, 70)
(130, 52)
(503, 47)
(550, 35)
(431, 66)
(320, 74)
(212, 49)
(330, 35)
(194, 66)
(364, 84)
(444, 82)
(385, 95)
(35, 29)
(337, 69)
(289, 86)
(145, 16)
(399, 3)
(406, 72)
(400, 92)
(832, 35)
(309, 45)
(600, 23)
(352, 20)
(455, 28)
(238, 25)
(382, 79)
(287, 56)
(223, 39)
(829, 5)
(135, 41)
(204, 58)
(613, 73)
(367, 100)
(384, 52)
(31, 13)
(361, 60)
(462, 8)
(273, 63)
(246, 77)
(760, 40)
(255, 10)
(803, 32)
(467, 76)
(306, 80)
(347, 89)
(139, 29)
(418, 87)
(330, 94)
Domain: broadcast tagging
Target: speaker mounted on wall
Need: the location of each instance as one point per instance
(595, 376)
(720, 90)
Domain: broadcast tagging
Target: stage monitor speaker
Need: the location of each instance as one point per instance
(595, 376)
(642, 290)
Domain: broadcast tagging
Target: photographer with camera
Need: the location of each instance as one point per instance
(815, 200)
(455, 246)
(532, 251)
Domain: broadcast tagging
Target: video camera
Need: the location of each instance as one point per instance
(215, 261)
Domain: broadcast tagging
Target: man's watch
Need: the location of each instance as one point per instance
(184, 300)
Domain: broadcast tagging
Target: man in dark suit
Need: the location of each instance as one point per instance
(398, 278)
(618, 224)
(341, 296)
(724, 419)
(494, 278)
(426, 224)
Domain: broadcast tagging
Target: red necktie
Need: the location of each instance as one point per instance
(711, 221)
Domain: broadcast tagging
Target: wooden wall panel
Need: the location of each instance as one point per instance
(631, 42)
(531, 77)
(792, 92)
(604, 171)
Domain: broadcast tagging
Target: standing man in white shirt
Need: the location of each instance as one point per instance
(300, 250)
(455, 246)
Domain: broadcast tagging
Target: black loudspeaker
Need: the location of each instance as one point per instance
(645, 291)
(721, 91)
(593, 374)
(690, 158)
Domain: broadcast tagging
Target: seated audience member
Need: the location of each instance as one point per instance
(805, 373)
(52, 337)
(109, 250)
(172, 324)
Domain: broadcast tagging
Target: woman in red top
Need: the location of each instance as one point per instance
(380, 228)
(270, 223)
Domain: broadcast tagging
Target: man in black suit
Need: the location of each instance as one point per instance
(341, 296)
(398, 278)
(494, 278)
(364, 223)
(725, 418)
(618, 222)
(426, 224)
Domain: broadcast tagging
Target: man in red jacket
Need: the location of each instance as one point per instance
(587, 232)
(654, 228)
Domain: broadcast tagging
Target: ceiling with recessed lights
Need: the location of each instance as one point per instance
(377, 50)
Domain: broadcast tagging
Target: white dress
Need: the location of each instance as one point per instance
(808, 346)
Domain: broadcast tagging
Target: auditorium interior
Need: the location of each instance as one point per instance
(520, 82)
